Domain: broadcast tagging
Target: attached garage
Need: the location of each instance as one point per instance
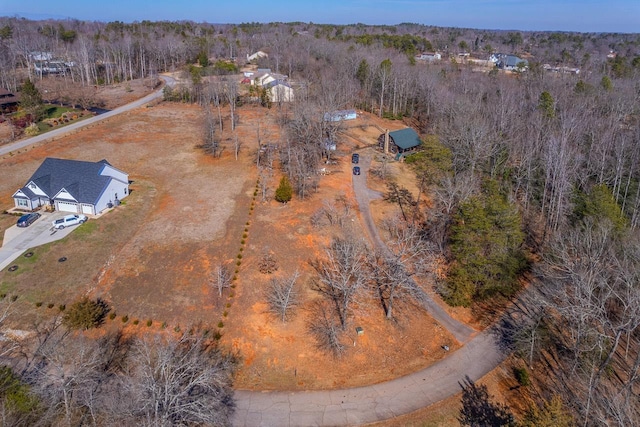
(87, 209)
(74, 186)
(67, 206)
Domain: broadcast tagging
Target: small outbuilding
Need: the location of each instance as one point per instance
(340, 115)
(399, 141)
(8, 101)
(73, 186)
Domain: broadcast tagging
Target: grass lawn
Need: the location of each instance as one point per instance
(53, 111)
(43, 278)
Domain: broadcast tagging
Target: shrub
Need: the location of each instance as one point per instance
(149, 322)
(245, 235)
(177, 329)
(135, 322)
(85, 314)
(38, 304)
(284, 192)
(62, 307)
(522, 376)
(268, 264)
(220, 324)
(164, 325)
(225, 314)
(228, 304)
(3, 296)
(50, 305)
(125, 318)
(239, 256)
(32, 130)
(238, 263)
(15, 297)
(112, 315)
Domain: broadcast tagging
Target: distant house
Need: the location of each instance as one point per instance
(41, 56)
(340, 115)
(508, 62)
(257, 55)
(279, 91)
(266, 78)
(73, 186)
(8, 101)
(429, 56)
(399, 141)
(561, 69)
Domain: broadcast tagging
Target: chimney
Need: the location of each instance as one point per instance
(386, 141)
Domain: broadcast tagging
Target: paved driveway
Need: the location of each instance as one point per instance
(17, 240)
(363, 405)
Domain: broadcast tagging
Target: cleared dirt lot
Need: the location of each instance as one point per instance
(152, 257)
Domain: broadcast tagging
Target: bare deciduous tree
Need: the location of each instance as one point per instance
(220, 278)
(282, 296)
(326, 329)
(342, 274)
(179, 382)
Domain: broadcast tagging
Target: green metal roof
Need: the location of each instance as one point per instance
(405, 138)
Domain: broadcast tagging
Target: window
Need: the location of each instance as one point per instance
(22, 202)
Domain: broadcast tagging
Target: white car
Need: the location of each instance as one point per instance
(68, 220)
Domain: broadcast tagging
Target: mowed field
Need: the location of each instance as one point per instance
(152, 257)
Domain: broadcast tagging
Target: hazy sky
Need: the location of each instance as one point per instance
(562, 15)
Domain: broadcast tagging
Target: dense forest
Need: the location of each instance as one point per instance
(533, 177)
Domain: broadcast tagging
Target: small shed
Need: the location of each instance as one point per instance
(340, 115)
(399, 141)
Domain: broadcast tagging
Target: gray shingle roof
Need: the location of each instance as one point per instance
(81, 179)
(405, 138)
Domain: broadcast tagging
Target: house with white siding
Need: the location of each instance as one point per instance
(73, 186)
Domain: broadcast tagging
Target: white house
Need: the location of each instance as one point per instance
(257, 55)
(73, 186)
(279, 91)
(267, 78)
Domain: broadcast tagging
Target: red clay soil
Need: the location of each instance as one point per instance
(195, 212)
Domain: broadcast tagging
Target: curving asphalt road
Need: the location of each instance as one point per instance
(362, 405)
(18, 145)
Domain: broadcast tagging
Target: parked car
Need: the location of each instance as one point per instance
(355, 158)
(28, 219)
(68, 220)
(356, 170)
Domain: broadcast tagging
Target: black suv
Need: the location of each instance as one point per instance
(355, 158)
(27, 219)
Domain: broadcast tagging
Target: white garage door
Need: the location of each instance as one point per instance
(87, 209)
(67, 206)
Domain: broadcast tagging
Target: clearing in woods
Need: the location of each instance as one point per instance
(152, 257)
